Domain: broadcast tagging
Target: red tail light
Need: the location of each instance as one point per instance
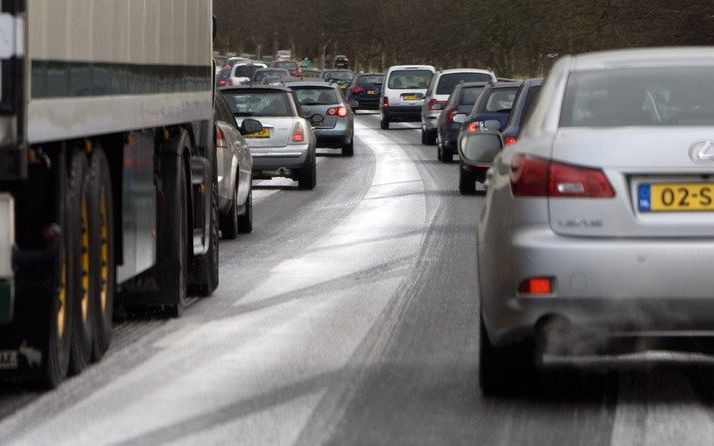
(435, 104)
(298, 133)
(222, 82)
(385, 102)
(537, 285)
(450, 113)
(220, 138)
(535, 177)
(472, 127)
(357, 90)
(509, 140)
(340, 111)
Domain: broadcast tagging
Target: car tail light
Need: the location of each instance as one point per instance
(220, 138)
(435, 104)
(357, 90)
(340, 111)
(222, 82)
(537, 286)
(298, 133)
(535, 177)
(385, 102)
(450, 113)
(509, 140)
(472, 127)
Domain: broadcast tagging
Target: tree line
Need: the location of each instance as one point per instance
(516, 37)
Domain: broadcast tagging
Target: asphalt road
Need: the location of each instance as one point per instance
(349, 317)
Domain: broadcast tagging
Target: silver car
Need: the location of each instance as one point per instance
(285, 147)
(333, 120)
(599, 222)
(234, 167)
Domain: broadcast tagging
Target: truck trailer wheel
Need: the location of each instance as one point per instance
(102, 252)
(78, 231)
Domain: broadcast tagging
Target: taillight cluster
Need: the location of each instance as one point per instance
(298, 135)
(222, 82)
(357, 90)
(450, 113)
(340, 111)
(509, 140)
(536, 177)
(435, 104)
(472, 127)
(220, 138)
(385, 102)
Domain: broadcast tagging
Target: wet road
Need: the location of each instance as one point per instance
(349, 317)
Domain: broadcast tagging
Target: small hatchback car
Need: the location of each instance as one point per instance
(599, 221)
(285, 147)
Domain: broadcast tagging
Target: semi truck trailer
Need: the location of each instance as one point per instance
(108, 193)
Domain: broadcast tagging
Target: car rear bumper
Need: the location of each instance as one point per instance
(402, 113)
(430, 120)
(290, 157)
(450, 135)
(367, 103)
(335, 137)
(625, 287)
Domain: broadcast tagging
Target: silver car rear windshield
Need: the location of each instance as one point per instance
(469, 95)
(652, 96)
(410, 79)
(316, 95)
(448, 82)
(258, 103)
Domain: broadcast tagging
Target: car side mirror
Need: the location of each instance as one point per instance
(250, 126)
(460, 118)
(480, 147)
(492, 124)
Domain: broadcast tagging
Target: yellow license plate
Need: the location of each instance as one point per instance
(371, 91)
(265, 133)
(676, 197)
(409, 97)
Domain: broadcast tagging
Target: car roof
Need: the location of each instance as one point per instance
(499, 85)
(464, 70)
(256, 87)
(472, 84)
(309, 84)
(411, 67)
(369, 74)
(644, 57)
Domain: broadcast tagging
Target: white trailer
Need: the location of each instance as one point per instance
(107, 184)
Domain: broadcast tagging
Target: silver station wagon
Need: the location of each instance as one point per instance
(600, 220)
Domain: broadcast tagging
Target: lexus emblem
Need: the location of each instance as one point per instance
(702, 152)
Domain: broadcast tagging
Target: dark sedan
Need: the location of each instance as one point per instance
(521, 109)
(460, 102)
(365, 90)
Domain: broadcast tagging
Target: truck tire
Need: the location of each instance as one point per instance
(173, 239)
(78, 231)
(229, 222)
(245, 221)
(102, 252)
(207, 267)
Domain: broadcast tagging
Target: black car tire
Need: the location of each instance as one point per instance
(445, 155)
(505, 370)
(245, 221)
(467, 182)
(229, 222)
(349, 149)
(428, 137)
(308, 177)
(384, 123)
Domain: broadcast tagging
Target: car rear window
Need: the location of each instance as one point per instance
(410, 79)
(261, 75)
(372, 79)
(247, 70)
(316, 95)
(258, 103)
(498, 100)
(225, 73)
(653, 96)
(469, 95)
(448, 82)
(286, 65)
(338, 75)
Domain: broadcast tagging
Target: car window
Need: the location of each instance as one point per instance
(223, 111)
(225, 73)
(409, 79)
(498, 100)
(666, 96)
(448, 82)
(316, 95)
(262, 75)
(370, 79)
(530, 102)
(246, 70)
(338, 75)
(469, 95)
(286, 65)
(258, 103)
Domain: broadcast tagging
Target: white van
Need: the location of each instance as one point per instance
(403, 93)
